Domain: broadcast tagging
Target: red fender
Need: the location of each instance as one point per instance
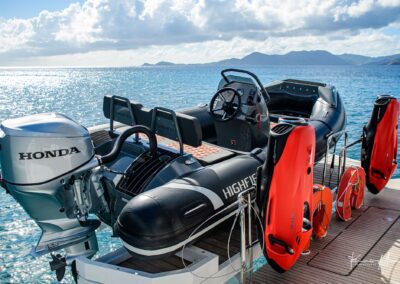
(350, 192)
(287, 182)
(322, 203)
(357, 194)
(379, 149)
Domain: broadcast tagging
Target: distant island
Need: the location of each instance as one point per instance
(161, 63)
(315, 57)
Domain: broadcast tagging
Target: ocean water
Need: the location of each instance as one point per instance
(78, 93)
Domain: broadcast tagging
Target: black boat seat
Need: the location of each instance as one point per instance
(189, 126)
(205, 119)
(291, 105)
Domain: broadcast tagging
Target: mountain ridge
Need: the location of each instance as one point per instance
(313, 57)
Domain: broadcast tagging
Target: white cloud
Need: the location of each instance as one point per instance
(78, 24)
(368, 42)
(360, 8)
(363, 7)
(211, 28)
(389, 3)
(14, 34)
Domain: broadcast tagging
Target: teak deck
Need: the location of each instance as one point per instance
(215, 242)
(365, 249)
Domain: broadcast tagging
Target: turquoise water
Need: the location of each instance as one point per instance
(79, 93)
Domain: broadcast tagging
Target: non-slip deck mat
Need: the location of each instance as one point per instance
(207, 153)
(349, 248)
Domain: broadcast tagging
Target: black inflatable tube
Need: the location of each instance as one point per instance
(326, 120)
(320, 104)
(158, 219)
(121, 139)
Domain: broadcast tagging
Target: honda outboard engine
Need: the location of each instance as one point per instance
(46, 161)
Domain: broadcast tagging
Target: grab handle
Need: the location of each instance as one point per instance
(112, 155)
(378, 173)
(274, 241)
(306, 225)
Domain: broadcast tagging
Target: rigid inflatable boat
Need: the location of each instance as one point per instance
(165, 178)
(157, 223)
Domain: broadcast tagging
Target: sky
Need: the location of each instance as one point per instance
(132, 32)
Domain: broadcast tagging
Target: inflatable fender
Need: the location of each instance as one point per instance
(357, 193)
(322, 203)
(285, 196)
(350, 192)
(379, 145)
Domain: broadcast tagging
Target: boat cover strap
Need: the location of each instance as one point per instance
(189, 127)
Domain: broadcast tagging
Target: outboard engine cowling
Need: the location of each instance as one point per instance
(42, 147)
(45, 161)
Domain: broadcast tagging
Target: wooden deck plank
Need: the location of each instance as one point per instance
(381, 262)
(170, 263)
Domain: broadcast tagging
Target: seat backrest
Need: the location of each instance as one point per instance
(188, 126)
(285, 103)
(205, 119)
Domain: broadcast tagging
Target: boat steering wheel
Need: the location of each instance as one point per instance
(225, 107)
